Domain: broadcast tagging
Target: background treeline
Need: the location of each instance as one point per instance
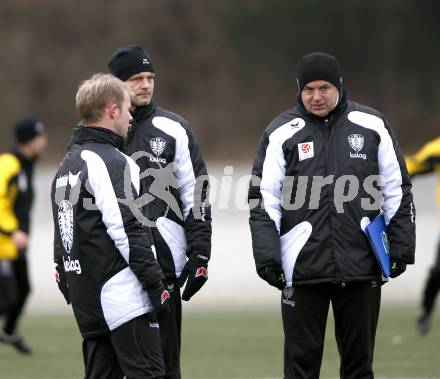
(227, 66)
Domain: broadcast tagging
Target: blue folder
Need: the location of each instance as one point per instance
(376, 232)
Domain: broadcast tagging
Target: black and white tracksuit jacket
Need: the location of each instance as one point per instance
(174, 184)
(103, 250)
(315, 187)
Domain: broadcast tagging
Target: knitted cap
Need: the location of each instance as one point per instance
(129, 60)
(319, 66)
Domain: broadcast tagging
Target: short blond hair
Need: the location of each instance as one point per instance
(96, 93)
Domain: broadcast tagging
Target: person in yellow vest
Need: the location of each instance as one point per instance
(16, 196)
(427, 160)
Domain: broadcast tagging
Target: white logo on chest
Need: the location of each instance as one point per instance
(157, 145)
(65, 222)
(356, 142)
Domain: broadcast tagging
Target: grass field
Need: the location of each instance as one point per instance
(226, 345)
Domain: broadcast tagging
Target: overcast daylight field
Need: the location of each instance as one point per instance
(228, 67)
(232, 328)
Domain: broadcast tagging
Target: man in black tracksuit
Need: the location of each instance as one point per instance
(174, 191)
(104, 258)
(323, 170)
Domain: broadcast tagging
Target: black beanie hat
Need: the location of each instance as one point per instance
(27, 128)
(318, 66)
(129, 60)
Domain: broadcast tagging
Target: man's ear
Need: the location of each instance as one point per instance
(113, 110)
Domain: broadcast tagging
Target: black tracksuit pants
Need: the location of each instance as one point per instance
(133, 350)
(170, 333)
(304, 312)
(432, 285)
(103, 359)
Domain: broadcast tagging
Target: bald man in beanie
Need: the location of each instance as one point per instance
(175, 189)
(324, 169)
(16, 198)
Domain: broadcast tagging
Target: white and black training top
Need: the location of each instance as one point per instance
(317, 184)
(174, 186)
(104, 251)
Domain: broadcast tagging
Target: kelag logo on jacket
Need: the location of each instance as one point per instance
(65, 222)
(356, 142)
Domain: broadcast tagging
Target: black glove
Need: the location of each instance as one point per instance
(60, 277)
(274, 275)
(160, 298)
(196, 270)
(397, 267)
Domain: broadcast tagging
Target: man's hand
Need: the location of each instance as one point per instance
(397, 267)
(274, 275)
(20, 239)
(60, 277)
(196, 271)
(160, 298)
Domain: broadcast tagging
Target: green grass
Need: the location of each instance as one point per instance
(221, 344)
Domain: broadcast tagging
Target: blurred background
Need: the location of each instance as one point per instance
(228, 67)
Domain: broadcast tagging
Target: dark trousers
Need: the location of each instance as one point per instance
(132, 350)
(432, 285)
(304, 311)
(23, 288)
(170, 334)
(8, 287)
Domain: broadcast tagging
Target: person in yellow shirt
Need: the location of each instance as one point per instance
(427, 160)
(16, 197)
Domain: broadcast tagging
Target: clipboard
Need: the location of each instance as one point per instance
(377, 236)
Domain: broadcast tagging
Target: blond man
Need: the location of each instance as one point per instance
(105, 263)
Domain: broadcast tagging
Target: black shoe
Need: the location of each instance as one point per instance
(22, 346)
(424, 324)
(15, 341)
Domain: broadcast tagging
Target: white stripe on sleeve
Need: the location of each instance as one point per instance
(274, 170)
(389, 167)
(106, 201)
(183, 168)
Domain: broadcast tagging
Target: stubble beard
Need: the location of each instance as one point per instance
(135, 102)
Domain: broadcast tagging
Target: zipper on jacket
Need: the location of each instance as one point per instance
(327, 132)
